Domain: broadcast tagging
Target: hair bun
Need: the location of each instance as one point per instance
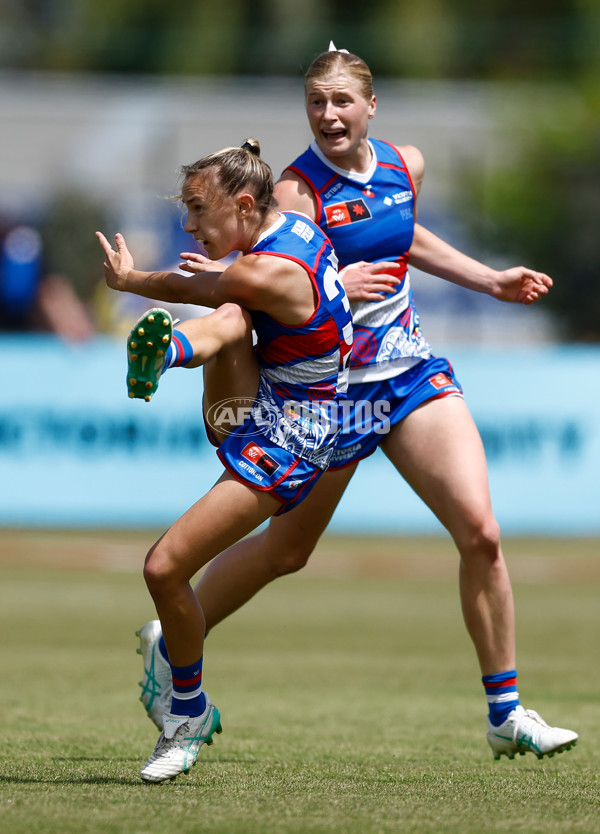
(252, 145)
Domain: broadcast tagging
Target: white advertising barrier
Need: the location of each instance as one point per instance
(76, 451)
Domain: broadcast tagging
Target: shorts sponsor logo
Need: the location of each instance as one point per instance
(251, 470)
(340, 455)
(440, 381)
(340, 214)
(260, 458)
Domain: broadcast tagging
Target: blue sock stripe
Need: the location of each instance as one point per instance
(188, 698)
(187, 675)
(162, 648)
(498, 678)
(502, 695)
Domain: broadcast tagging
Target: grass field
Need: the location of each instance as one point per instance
(349, 693)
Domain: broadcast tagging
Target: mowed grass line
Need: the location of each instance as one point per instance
(349, 705)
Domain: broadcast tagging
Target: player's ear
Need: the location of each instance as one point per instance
(245, 204)
(372, 106)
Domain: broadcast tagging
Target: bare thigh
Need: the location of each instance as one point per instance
(439, 452)
(291, 538)
(228, 512)
(222, 343)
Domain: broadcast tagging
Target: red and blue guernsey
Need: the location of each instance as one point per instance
(370, 217)
(303, 368)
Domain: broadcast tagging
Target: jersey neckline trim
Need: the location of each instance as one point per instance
(355, 176)
(271, 230)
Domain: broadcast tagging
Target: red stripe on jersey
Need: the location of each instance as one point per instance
(292, 347)
(311, 186)
(329, 182)
(404, 167)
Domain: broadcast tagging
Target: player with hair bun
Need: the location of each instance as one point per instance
(285, 287)
(363, 193)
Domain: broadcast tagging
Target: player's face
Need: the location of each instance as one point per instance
(212, 217)
(338, 114)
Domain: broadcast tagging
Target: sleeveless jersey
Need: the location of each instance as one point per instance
(303, 368)
(370, 217)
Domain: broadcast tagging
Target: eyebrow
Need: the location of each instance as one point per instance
(334, 90)
(194, 198)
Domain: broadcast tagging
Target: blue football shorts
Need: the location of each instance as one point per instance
(374, 407)
(257, 462)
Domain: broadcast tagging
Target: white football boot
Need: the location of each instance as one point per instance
(177, 747)
(524, 731)
(157, 683)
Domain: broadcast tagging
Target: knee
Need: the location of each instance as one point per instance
(158, 574)
(290, 559)
(237, 320)
(482, 541)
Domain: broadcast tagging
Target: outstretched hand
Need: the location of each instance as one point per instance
(365, 281)
(117, 264)
(197, 263)
(522, 285)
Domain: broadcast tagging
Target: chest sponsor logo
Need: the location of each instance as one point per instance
(260, 458)
(402, 197)
(341, 214)
(398, 199)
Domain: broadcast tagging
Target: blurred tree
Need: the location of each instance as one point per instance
(69, 247)
(542, 205)
(425, 39)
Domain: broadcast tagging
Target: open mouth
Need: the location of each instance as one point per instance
(333, 134)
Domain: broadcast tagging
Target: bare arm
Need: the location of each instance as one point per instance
(120, 274)
(275, 285)
(415, 163)
(518, 284)
(294, 194)
(257, 282)
(431, 254)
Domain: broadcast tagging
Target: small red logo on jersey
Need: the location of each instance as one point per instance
(440, 381)
(351, 211)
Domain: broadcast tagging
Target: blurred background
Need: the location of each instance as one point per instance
(101, 104)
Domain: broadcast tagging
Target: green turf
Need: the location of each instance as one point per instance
(349, 704)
